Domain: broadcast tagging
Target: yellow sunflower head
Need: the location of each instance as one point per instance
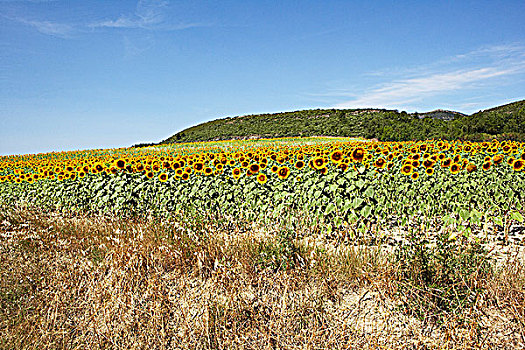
(380, 163)
(358, 154)
(261, 178)
(283, 172)
(455, 168)
(518, 165)
(318, 162)
(299, 164)
(336, 156)
(407, 169)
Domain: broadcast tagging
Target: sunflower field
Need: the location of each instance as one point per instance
(335, 182)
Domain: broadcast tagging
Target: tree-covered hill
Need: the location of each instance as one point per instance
(503, 122)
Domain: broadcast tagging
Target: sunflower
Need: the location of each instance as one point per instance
(299, 164)
(254, 168)
(455, 168)
(208, 171)
(149, 175)
(336, 156)
(407, 169)
(414, 175)
(283, 172)
(120, 163)
(446, 163)
(323, 170)
(98, 167)
(487, 165)
(497, 159)
(198, 166)
(510, 160)
(471, 167)
(358, 154)
(518, 165)
(261, 178)
(185, 176)
(380, 163)
(523, 156)
(428, 163)
(318, 162)
(236, 173)
(429, 171)
(163, 177)
(415, 163)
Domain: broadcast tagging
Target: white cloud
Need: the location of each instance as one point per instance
(49, 28)
(466, 71)
(147, 13)
(150, 15)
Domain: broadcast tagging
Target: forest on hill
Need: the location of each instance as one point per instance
(503, 122)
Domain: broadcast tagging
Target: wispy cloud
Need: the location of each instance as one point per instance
(147, 14)
(150, 15)
(47, 27)
(466, 71)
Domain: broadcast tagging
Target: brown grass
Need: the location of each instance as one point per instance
(75, 282)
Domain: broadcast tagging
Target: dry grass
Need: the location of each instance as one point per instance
(73, 282)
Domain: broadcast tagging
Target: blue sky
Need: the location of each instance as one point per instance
(99, 74)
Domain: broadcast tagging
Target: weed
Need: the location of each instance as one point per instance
(437, 281)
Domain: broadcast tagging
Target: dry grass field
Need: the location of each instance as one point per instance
(99, 282)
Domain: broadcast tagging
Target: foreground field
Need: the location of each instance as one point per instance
(77, 282)
(320, 243)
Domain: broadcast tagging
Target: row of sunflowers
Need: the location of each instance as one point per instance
(409, 158)
(333, 180)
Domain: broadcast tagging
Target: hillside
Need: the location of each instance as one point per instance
(503, 122)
